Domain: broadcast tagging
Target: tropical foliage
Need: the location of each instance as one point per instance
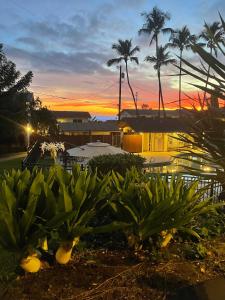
(118, 162)
(206, 142)
(154, 24)
(126, 53)
(26, 215)
(213, 84)
(162, 58)
(156, 208)
(213, 36)
(181, 39)
(37, 206)
(80, 194)
(207, 127)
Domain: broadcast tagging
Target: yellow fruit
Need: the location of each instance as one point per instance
(31, 264)
(63, 255)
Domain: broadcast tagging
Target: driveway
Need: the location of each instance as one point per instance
(13, 156)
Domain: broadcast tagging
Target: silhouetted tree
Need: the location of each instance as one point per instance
(11, 81)
(43, 120)
(154, 24)
(213, 34)
(13, 97)
(162, 58)
(126, 53)
(181, 39)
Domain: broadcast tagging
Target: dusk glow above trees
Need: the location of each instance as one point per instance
(67, 45)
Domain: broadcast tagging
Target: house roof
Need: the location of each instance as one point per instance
(89, 126)
(72, 114)
(154, 125)
(94, 149)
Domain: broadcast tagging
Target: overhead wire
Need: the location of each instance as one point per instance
(82, 98)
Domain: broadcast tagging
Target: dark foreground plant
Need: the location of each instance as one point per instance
(34, 206)
(25, 216)
(80, 194)
(157, 207)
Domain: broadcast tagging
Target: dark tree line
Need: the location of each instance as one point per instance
(14, 101)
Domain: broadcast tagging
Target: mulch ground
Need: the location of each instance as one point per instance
(101, 274)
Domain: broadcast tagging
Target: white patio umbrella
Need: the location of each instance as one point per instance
(94, 149)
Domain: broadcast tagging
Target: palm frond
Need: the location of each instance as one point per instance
(114, 61)
(135, 59)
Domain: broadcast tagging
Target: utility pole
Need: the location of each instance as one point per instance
(120, 84)
(136, 98)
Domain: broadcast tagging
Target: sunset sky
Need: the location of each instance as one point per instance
(67, 44)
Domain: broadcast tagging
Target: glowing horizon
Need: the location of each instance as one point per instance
(67, 45)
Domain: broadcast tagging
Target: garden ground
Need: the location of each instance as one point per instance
(104, 274)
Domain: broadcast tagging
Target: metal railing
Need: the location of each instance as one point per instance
(212, 187)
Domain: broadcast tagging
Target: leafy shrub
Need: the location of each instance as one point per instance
(26, 215)
(105, 217)
(62, 206)
(156, 207)
(32, 205)
(117, 162)
(80, 194)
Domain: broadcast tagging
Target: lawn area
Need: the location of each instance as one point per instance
(10, 164)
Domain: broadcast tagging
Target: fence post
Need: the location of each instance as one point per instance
(212, 188)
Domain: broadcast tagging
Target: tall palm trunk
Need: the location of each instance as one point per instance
(181, 52)
(159, 99)
(128, 81)
(161, 94)
(156, 43)
(205, 100)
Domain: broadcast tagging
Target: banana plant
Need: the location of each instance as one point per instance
(158, 208)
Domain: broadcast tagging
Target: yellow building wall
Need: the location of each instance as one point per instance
(161, 142)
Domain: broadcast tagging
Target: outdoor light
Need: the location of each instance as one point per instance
(29, 130)
(207, 169)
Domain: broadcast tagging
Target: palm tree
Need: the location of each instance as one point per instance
(154, 24)
(161, 59)
(213, 35)
(181, 39)
(125, 52)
